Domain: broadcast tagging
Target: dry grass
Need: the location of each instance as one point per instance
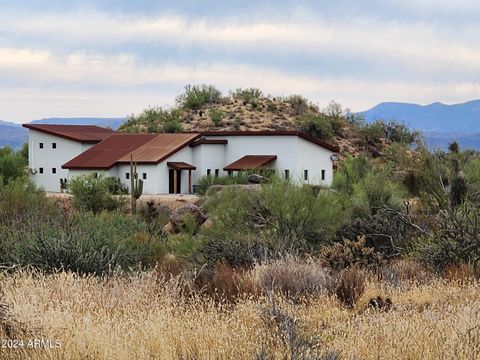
(143, 317)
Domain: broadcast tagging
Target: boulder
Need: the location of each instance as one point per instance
(207, 224)
(168, 228)
(178, 216)
(257, 179)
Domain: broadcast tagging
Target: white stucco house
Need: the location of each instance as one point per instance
(173, 163)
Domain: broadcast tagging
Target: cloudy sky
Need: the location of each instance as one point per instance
(116, 57)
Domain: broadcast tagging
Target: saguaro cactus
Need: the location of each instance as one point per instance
(136, 185)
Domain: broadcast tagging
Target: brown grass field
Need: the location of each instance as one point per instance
(144, 316)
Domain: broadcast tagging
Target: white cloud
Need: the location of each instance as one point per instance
(419, 46)
(118, 85)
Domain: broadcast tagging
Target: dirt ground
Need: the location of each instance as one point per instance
(172, 201)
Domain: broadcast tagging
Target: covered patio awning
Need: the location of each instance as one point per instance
(250, 162)
(180, 166)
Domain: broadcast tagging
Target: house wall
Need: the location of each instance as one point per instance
(208, 156)
(157, 181)
(293, 153)
(49, 158)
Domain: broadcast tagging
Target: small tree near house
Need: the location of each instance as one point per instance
(136, 185)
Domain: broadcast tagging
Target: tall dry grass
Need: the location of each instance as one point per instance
(147, 316)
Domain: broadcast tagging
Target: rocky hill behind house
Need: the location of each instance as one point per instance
(242, 111)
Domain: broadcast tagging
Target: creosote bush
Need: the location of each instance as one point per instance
(154, 120)
(317, 125)
(216, 116)
(197, 96)
(94, 192)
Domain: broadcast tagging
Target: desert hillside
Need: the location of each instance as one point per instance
(204, 108)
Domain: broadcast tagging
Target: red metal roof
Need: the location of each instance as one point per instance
(79, 133)
(160, 147)
(146, 148)
(250, 162)
(274, 133)
(180, 166)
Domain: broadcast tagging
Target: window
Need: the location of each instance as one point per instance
(95, 174)
(209, 171)
(40, 170)
(127, 176)
(40, 145)
(54, 170)
(217, 172)
(287, 174)
(54, 145)
(323, 174)
(305, 175)
(144, 176)
(230, 173)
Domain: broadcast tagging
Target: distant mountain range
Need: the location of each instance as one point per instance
(440, 123)
(15, 135)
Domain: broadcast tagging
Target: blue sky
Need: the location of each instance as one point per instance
(114, 58)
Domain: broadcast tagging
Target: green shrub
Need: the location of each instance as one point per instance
(351, 171)
(376, 191)
(400, 133)
(374, 131)
(316, 125)
(155, 120)
(196, 96)
(295, 218)
(12, 165)
(454, 240)
(299, 104)
(216, 116)
(250, 96)
(383, 232)
(91, 244)
(284, 216)
(92, 193)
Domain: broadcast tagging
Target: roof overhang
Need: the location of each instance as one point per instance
(96, 135)
(250, 162)
(209, 142)
(180, 166)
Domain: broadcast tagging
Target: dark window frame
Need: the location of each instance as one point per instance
(209, 172)
(287, 174)
(217, 172)
(40, 145)
(54, 170)
(305, 175)
(323, 175)
(127, 176)
(144, 176)
(54, 145)
(40, 170)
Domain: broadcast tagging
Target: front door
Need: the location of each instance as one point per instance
(171, 181)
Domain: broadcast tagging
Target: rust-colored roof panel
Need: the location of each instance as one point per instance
(160, 147)
(146, 148)
(180, 166)
(79, 133)
(250, 162)
(106, 153)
